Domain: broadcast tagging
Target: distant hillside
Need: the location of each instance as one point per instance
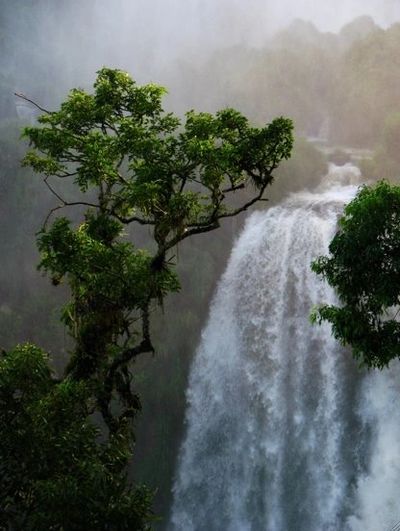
(345, 84)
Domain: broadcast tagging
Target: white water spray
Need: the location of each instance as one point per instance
(283, 431)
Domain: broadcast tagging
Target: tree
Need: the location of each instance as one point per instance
(134, 164)
(54, 473)
(364, 268)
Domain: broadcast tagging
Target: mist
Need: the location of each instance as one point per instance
(265, 58)
(66, 42)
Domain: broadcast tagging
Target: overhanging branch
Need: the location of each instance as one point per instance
(25, 98)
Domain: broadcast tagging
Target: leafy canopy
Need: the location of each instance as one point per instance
(364, 268)
(135, 164)
(149, 168)
(118, 157)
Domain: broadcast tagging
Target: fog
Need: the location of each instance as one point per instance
(209, 54)
(66, 42)
(161, 29)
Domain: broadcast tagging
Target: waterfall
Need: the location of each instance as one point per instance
(284, 432)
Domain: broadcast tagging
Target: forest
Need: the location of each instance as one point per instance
(339, 89)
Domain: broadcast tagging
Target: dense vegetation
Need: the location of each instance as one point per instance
(55, 473)
(364, 268)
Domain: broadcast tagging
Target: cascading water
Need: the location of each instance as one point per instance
(284, 433)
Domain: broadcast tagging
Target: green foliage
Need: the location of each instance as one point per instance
(364, 268)
(131, 163)
(143, 167)
(120, 139)
(110, 280)
(54, 472)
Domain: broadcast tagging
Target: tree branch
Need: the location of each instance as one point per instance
(233, 188)
(63, 202)
(132, 219)
(119, 362)
(25, 98)
(213, 221)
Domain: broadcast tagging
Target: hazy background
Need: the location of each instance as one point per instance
(341, 84)
(58, 43)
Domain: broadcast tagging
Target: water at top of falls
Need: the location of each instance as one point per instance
(283, 432)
